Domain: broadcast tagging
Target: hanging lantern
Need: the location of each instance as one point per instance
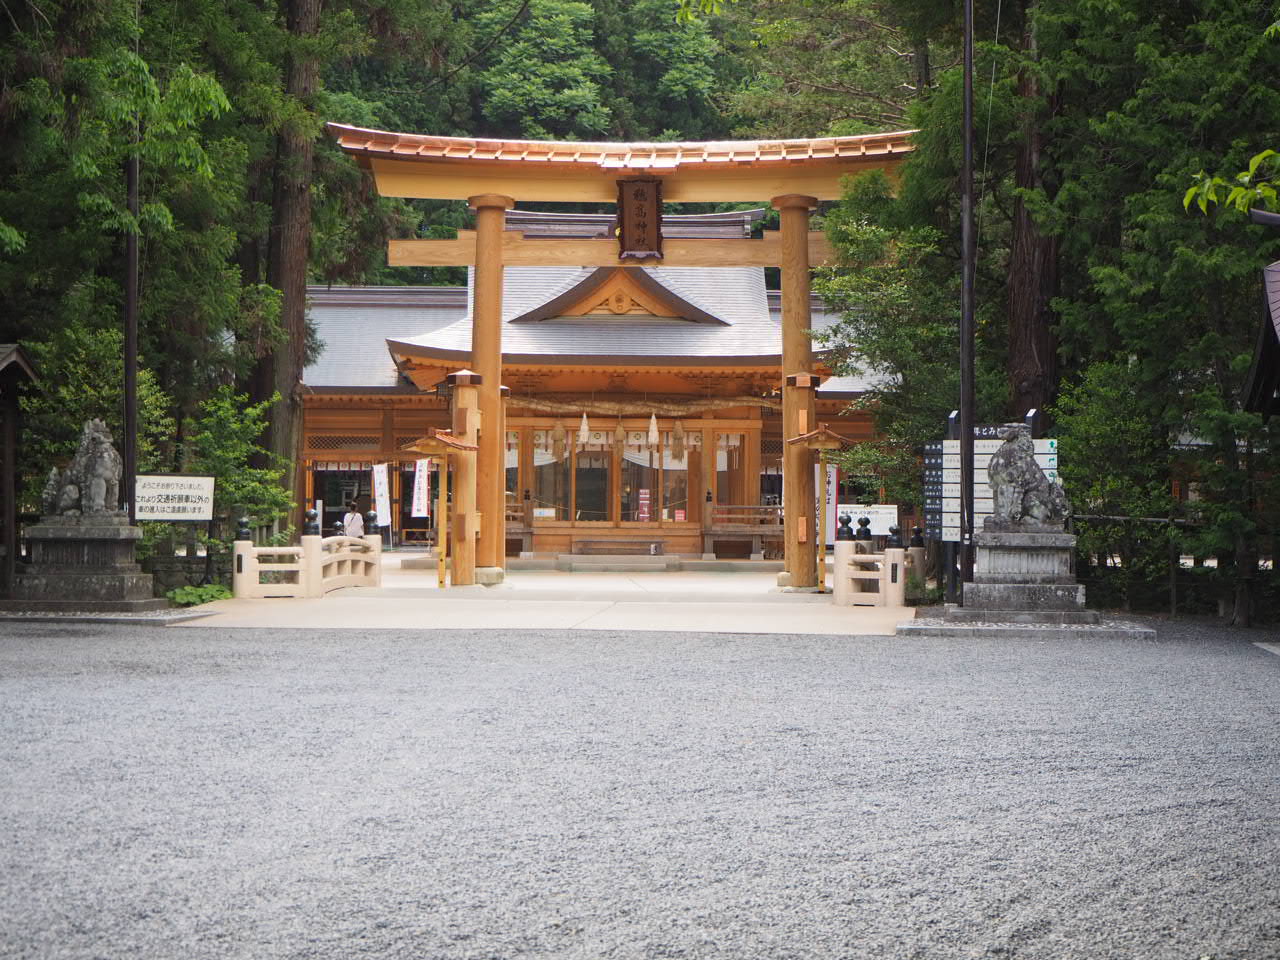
(677, 441)
(619, 436)
(654, 439)
(584, 431)
(559, 440)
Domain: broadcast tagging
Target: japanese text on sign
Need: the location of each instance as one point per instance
(173, 497)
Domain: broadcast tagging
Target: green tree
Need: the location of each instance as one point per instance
(223, 444)
(545, 78)
(898, 295)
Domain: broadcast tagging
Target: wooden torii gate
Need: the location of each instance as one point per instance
(492, 175)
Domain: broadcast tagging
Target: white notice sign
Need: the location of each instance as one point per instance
(421, 489)
(381, 494)
(827, 490)
(882, 516)
(173, 497)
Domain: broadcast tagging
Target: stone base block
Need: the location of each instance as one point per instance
(1024, 558)
(84, 606)
(80, 587)
(490, 576)
(932, 628)
(954, 614)
(1030, 597)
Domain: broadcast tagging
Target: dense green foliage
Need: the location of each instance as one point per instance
(1098, 124)
(243, 198)
(1099, 294)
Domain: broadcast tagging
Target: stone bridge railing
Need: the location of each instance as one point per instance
(311, 569)
(861, 577)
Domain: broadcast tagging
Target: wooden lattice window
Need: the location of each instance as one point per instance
(344, 442)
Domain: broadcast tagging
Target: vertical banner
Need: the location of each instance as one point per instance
(827, 490)
(381, 495)
(421, 489)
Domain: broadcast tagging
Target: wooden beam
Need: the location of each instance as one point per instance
(520, 251)
(439, 179)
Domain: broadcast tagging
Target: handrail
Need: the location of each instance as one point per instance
(747, 514)
(868, 579)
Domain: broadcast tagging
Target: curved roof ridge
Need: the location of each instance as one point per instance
(614, 154)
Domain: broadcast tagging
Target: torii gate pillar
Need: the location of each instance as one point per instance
(486, 360)
(799, 405)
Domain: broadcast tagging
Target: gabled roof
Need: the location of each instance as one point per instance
(633, 284)
(14, 361)
(740, 329)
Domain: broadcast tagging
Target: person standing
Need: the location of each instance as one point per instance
(353, 522)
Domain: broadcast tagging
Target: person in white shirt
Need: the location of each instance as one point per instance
(353, 522)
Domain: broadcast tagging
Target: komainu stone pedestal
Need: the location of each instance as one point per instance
(83, 563)
(1024, 577)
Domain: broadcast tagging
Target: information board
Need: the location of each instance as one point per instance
(882, 516)
(172, 497)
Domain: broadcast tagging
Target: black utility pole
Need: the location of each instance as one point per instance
(129, 442)
(967, 326)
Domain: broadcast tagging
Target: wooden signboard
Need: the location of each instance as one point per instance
(640, 219)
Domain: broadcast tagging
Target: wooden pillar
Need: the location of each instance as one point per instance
(466, 520)
(486, 360)
(799, 499)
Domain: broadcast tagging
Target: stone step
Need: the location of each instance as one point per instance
(616, 563)
(944, 629)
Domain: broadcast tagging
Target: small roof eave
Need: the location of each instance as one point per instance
(12, 355)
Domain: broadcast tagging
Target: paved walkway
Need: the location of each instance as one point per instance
(707, 602)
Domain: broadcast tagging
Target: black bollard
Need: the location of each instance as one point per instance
(242, 529)
(894, 540)
(312, 526)
(917, 537)
(845, 530)
(864, 529)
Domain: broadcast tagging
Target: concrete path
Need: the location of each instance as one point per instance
(693, 601)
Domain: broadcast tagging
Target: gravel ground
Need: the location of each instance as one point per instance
(238, 793)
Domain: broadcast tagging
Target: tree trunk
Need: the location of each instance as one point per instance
(1033, 271)
(289, 248)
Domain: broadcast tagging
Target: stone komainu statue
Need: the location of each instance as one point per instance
(1023, 497)
(91, 484)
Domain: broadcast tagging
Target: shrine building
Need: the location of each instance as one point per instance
(612, 382)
